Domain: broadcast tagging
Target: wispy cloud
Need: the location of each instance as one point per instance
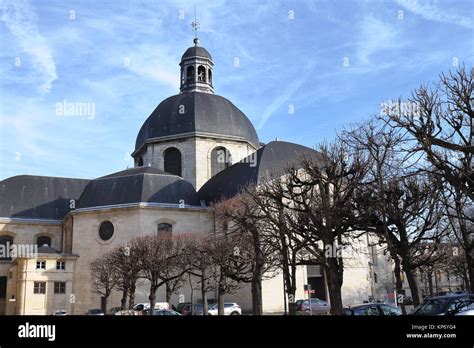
(292, 88)
(431, 11)
(375, 36)
(19, 17)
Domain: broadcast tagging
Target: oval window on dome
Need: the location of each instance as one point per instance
(106, 230)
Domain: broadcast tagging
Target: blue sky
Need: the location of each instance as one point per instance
(123, 56)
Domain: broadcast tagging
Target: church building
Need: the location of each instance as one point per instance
(196, 147)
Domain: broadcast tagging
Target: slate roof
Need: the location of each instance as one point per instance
(271, 161)
(46, 249)
(203, 112)
(196, 51)
(38, 197)
(142, 184)
(136, 170)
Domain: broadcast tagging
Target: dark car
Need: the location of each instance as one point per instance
(161, 312)
(197, 309)
(95, 311)
(372, 309)
(445, 305)
(182, 306)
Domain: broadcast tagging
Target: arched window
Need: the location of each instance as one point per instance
(140, 161)
(220, 160)
(210, 76)
(173, 161)
(6, 243)
(165, 230)
(190, 74)
(42, 240)
(201, 74)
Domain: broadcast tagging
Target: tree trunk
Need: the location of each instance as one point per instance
(257, 295)
(204, 293)
(123, 301)
(291, 301)
(415, 295)
(398, 281)
(470, 270)
(220, 293)
(430, 283)
(104, 302)
(152, 298)
(334, 285)
(289, 275)
(168, 294)
(220, 301)
(131, 294)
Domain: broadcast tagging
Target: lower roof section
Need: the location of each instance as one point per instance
(38, 197)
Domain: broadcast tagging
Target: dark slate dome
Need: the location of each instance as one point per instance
(203, 112)
(136, 185)
(269, 161)
(196, 51)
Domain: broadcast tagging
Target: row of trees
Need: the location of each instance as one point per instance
(405, 178)
(167, 261)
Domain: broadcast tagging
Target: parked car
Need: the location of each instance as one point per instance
(59, 312)
(140, 307)
(181, 306)
(95, 311)
(372, 309)
(197, 309)
(317, 306)
(167, 312)
(446, 305)
(115, 310)
(230, 308)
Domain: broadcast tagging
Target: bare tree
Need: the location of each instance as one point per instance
(103, 277)
(281, 226)
(442, 131)
(442, 126)
(201, 264)
(400, 205)
(126, 272)
(252, 259)
(321, 194)
(459, 212)
(223, 259)
(161, 261)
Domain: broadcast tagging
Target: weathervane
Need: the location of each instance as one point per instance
(195, 26)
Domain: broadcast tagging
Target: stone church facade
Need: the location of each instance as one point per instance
(195, 148)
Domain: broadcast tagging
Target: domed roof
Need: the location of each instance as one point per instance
(196, 51)
(268, 162)
(203, 113)
(136, 185)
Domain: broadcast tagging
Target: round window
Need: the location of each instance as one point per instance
(106, 230)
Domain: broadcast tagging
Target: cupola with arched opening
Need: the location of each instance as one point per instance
(196, 70)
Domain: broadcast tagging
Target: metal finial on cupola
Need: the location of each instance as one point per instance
(195, 26)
